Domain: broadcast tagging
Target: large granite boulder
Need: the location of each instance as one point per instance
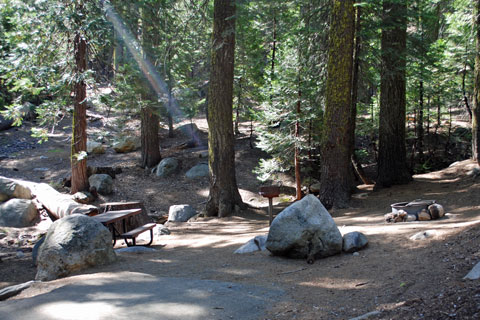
(10, 188)
(181, 213)
(201, 170)
(18, 213)
(102, 182)
(304, 229)
(73, 243)
(166, 167)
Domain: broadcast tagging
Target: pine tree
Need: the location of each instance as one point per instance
(224, 194)
(392, 168)
(336, 145)
(476, 92)
(79, 134)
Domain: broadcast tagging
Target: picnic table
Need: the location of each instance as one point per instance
(109, 218)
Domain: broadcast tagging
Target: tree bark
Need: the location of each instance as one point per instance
(298, 178)
(224, 194)
(420, 134)
(476, 90)
(150, 143)
(392, 158)
(79, 124)
(336, 145)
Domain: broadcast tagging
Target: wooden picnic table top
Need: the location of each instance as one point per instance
(114, 216)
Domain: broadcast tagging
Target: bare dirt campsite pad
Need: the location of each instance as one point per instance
(401, 278)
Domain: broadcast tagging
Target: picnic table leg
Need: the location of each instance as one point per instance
(112, 231)
(270, 210)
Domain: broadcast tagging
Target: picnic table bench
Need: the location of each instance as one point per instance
(109, 218)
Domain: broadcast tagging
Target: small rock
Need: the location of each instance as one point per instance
(189, 129)
(356, 254)
(436, 211)
(18, 213)
(95, 147)
(83, 197)
(135, 249)
(253, 245)
(103, 183)
(201, 170)
(354, 241)
(362, 195)
(166, 167)
(161, 230)
(20, 254)
(181, 213)
(203, 154)
(474, 274)
(315, 188)
(125, 144)
(423, 235)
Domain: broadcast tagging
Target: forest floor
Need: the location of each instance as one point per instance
(402, 278)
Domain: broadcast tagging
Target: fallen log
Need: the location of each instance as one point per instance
(58, 205)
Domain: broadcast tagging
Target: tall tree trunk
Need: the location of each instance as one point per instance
(237, 109)
(336, 144)
(464, 90)
(476, 90)
(356, 68)
(170, 105)
(298, 178)
(149, 138)
(79, 134)
(224, 194)
(420, 123)
(150, 144)
(392, 158)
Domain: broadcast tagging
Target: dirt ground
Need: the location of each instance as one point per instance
(402, 278)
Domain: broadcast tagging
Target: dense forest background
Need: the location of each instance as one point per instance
(381, 80)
